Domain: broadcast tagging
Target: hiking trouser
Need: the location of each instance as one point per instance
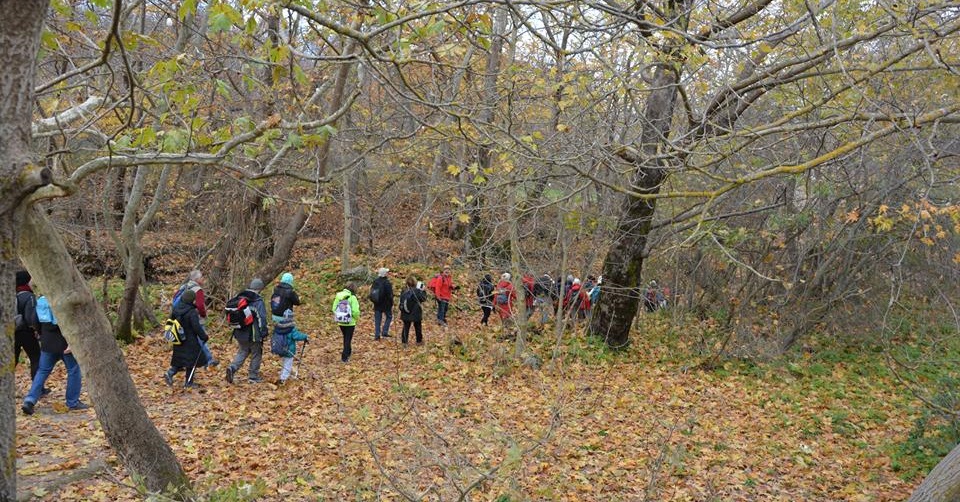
(347, 332)
(405, 334)
(255, 351)
(487, 309)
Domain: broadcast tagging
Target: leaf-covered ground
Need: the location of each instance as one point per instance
(442, 420)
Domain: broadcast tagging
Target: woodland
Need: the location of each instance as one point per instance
(788, 168)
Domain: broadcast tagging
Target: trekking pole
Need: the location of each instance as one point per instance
(194, 368)
(296, 363)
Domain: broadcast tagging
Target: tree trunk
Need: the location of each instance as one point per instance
(126, 425)
(614, 313)
(20, 27)
(943, 482)
(347, 219)
(284, 246)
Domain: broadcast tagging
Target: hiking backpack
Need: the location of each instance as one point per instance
(177, 295)
(173, 331)
(405, 300)
(19, 319)
(280, 343)
(238, 312)
(503, 296)
(375, 293)
(343, 313)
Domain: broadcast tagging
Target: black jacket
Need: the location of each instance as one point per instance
(386, 294)
(284, 297)
(413, 297)
(51, 339)
(485, 292)
(188, 353)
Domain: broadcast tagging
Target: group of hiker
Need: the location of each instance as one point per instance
(573, 298)
(36, 332)
(246, 313)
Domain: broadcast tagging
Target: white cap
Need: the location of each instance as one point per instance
(383, 271)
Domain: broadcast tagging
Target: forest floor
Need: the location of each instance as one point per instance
(441, 420)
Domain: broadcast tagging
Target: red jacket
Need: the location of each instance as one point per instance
(505, 310)
(528, 285)
(577, 291)
(441, 286)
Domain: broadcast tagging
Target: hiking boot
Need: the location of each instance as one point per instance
(44, 391)
(376, 338)
(254, 380)
(27, 408)
(79, 407)
(280, 382)
(168, 378)
(213, 363)
(192, 385)
(387, 335)
(230, 372)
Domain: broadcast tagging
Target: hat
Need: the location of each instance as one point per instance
(188, 296)
(576, 281)
(287, 278)
(256, 284)
(23, 278)
(383, 271)
(505, 276)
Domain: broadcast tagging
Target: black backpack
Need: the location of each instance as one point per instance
(375, 293)
(406, 301)
(238, 312)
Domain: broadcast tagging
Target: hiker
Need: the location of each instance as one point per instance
(650, 300)
(576, 303)
(381, 294)
(194, 283)
(26, 326)
(247, 315)
(485, 296)
(346, 311)
(188, 354)
(503, 298)
(587, 287)
(442, 288)
(283, 298)
(53, 348)
(542, 288)
(593, 295)
(284, 343)
(664, 297)
(411, 311)
(528, 282)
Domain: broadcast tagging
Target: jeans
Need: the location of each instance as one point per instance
(347, 340)
(405, 334)
(47, 361)
(254, 349)
(486, 313)
(442, 306)
(377, 316)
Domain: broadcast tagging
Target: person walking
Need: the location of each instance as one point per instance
(53, 348)
(26, 326)
(195, 281)
(188, 355)
(381, 294)
(485, 296)
(284, 297)
(542, 291)
(442, 288)
(504, 297)
(285, 338)
(411, 311)
(249, 332)
(346, 311)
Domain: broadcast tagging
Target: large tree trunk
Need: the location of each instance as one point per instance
(283, 247)
(943, 482)
(20, 27)
(106, 376)
(614, 313)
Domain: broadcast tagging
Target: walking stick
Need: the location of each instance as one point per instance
(296, 363)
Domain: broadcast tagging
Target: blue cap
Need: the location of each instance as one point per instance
(287, 278)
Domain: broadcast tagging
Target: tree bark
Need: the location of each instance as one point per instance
(20, 27)
(943, 482)
(126, 425)
(284, 246)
